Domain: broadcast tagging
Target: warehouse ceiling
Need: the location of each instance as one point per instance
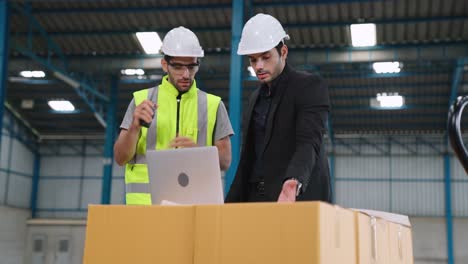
(92, 41)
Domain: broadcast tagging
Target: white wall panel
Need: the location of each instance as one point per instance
(424, 167)
(416, 183)
(362, 167)
(22, 158)
(3, 180)
(458, 172)
(118, 171)
(93, 166)
(12, 235)
(5, 151)
(460, 199)
(118, 192)
(91, 193)
(363, 194)
(418, 198)
(58, 194)
(61, 166)
(19, 194)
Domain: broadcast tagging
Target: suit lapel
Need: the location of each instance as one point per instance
(253, 100)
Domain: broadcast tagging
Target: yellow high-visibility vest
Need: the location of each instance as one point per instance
(197, 118)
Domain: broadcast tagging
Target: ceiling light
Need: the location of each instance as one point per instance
(386, 67)
(61, 105)
(32, 74)
(27, 104)
(133, 72)
(363, 35)
(149, 41)
(387, 101)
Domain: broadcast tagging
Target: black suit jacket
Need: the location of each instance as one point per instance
(294, 146)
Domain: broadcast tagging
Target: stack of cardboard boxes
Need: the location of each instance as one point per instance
(270, 233)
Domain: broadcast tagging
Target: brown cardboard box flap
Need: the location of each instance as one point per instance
(391, 217)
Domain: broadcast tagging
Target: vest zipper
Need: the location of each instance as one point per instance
(179, 97)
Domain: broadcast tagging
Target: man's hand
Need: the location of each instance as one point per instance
(144, 112)
(182, 142)
(288, 193)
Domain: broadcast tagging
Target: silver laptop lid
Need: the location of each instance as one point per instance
(185, 176)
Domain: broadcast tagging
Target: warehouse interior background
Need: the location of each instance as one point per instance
(395, 159)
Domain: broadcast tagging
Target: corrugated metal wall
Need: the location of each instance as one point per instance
(403, 174)
(16, 166)
(398, 174)
(70, 182)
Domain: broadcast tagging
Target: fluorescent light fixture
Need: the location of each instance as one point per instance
(32, 74)
(149, 41)
(133, 72)
(27, 104)
(363, 35)
(251, 71)
(387, 101)
(61, 105)
(386, 67)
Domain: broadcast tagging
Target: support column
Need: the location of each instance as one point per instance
(4, 37)
(35, 182)
(456, 80)
(235, 90)
(109, 142)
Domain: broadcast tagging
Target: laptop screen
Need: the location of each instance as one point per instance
(185, 176)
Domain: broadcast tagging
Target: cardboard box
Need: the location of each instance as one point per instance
(372, 240)
(383, 238)
(139, 234)
(303, 232)
(307, 232)
(400, 243)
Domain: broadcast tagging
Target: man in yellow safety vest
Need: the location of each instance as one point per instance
(173, 114)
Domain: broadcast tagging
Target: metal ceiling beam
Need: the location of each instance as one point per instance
(368, 75)
(424, 95)
(303, 56)
(115, 10)
(413, 106)
(388, 127)
(80, 33)
(309, 2)
(406, 146)
(97, 64)
(388, 116)
(407, 52)
(90, 95)
(388, 85)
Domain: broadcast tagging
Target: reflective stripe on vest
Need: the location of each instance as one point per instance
(137, 182)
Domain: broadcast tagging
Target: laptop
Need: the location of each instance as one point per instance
(185, 176)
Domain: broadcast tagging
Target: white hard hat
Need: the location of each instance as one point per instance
(181, 42)
(261, 33)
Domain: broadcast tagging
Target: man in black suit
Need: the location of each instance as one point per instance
(283, 157)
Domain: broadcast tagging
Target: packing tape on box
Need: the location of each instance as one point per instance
(373, 222)
(400, 242)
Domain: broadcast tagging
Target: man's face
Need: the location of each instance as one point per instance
(181, 71)
(268, 65)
